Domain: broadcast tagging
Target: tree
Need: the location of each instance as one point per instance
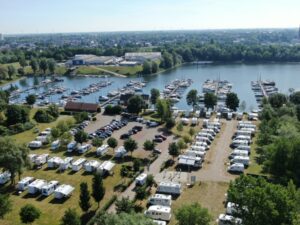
(70, 218)
(181, 144)
(154, 95)
(277, 100)
(16, 114)
(179, 127)
(97, 142)
(154, 67)
(149, 145)
(30, 99)
(135, 104)
(23, 62)
(173, 150)
(34, 65)
(81, 136)
(210, 100)
(147, 67)
(263, 202)
(192, 97)
(43, 65)
(55, 133)
(13, 157)
(81, 116)
(43, 116)
(3, 72)
(295, 98)
(84, 198)
(163, 108)
(140, 192)
(193, 214)
(21, 71)
(29, 213)
(232, 101)
(53, 110)
(51, 65)
(11, 70)
(170, 123)
(5, 205)
(130, 145)
(124, 205)
(112, 142)
(98, 191)
(136, 165)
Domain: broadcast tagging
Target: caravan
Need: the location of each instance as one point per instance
(205, 134)
(84, 148)
(78, 164)
(54, 162)
(141, 179)
(198, 148)
(36, 186)
(238, 153)
(55, 145)
(63, 191)
(101, 151)
(41, 160)
(159, 212)
(49, 188)
(228, 220)
(35, 144)
(91, 166)
(201, 143)
(23, 184)
(72, 146)
(169, 188)
(4, 177)
(241, 159)
(236, 143)
(203, 139)
(120, 152)
(187, 160)
(160, 199)
(105, 167)
(66, 163)
(200, 154)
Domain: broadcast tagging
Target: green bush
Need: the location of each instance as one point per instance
(43, 116)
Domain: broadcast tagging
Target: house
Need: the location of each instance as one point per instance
(82, 107)
(141, 57)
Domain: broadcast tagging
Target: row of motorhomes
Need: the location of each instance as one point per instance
(63, 164)
(45, 188)
(160, 203)
(227, 218)
(195, 155)
(42, 138)
(242, 139)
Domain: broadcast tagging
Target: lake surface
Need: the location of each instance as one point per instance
(286, 76)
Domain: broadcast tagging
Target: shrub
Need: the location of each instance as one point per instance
(113, 110)
(149, 145)
(42, 116)
(170, 123)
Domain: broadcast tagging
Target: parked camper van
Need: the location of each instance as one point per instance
(241, 159)
(91, 166)
(242, 138)
(160, 199)
(207, 135)
(84, 148)
(66, 164)
(72, 146)
(4, 177)
(35, 144)
(200, 154)
(54, 162)
(187, 160)
(159, 222)
(238, 153)
(244, 147)
(78, 164)
(55, 145)
(228, 220)
(203, 139)
(159, 212)
(106, 167)
(101, 151)
(210, 131)
(49, 188)
(236, 168)
(198, 148)
(36, 186)
(243, 133)
(201, 143)
(23, 184)
(120, 152)
(169, 188)
(236, 143)
(141, 179)
(43, 139)
(194, 121)
(63, 191)
(41, 160)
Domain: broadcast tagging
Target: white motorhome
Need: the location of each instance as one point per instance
(91, 166)
(49, 188)
(252, 130)
(198, 148)
(36, 186)
(120, 152)
(159, 212)
(241, 137)
(241, 159)
(101, 151)
(4, 177)
(63, 191)
(43, 139)
(55, 145)
(160, 199)
(141, 179)
(72, 146)
(244, 147)
(106, 167)
(32, 157)
(236, 168)
(35, 144)
(84, 148)
(169, 188)
(66, 164)
(194, 121)
(200, 154)
(41, 160)
(185, 121)
(207, 135)
(236, 143)
(23, 184)
(201, 143)
(159, 222)
(238, 153)
(203, 139)
(187, 160)
(228, 220)
(243, 133)
(54, 162)
(231, 208)
(210, 131)
(78, 164)
(229, 116)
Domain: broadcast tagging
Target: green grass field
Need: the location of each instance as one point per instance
(125, 70)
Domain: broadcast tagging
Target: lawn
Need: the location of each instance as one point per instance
(209, 194)
(125, 70)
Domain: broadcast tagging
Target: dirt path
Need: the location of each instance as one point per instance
(215, 168)
(110, 72)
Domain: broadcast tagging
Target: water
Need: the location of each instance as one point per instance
(240, 75)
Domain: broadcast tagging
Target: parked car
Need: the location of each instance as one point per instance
(124, 136)
(138, 128)
(156, 150)
(159, 140)
(161, 136)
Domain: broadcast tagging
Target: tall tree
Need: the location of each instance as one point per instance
(5, 205)
(43, 65)
(154, 67)
(193, 214)
(11, 70)
(210, 100)
(232, 101)
(173, 150)
(34, 65)
(154, 95)
(30, 99)
(13, 157)
(51, 65)
(112, 142)
(23, 62)
(81, 136)
(163, 108)
(70, 218)
(84, 198)
(29, 214)
(277, 100)
(130, 145)
(16, 114)
(147, 67)
(124, 205)
(192, 97)
(135, 104)
(98, 191)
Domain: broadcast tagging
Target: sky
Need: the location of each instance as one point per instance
(56, 16)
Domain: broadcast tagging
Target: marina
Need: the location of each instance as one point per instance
(263, 89)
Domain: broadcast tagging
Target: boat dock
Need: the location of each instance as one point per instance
(263, 89)
(175, 89)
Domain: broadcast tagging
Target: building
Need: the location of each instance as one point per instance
(80, 60)
(82, 107)
(141, 57)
